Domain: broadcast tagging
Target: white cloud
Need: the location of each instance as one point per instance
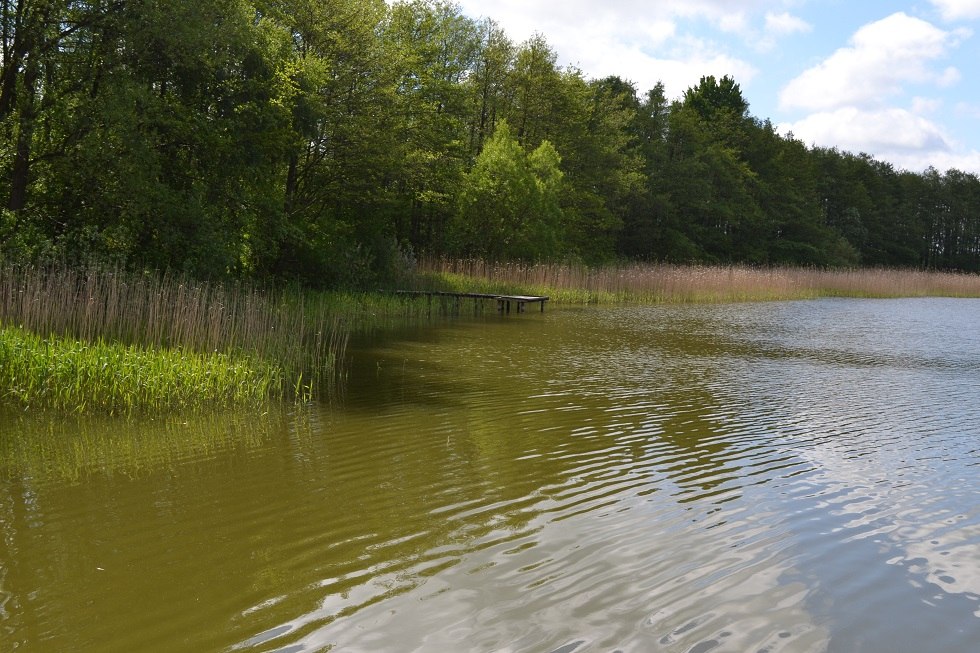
(922, 105)
(958, 9)
(777, 26)
(882, 57)
(852, 95)
(682, 65)
(578, 9)
(907, 140)
(856, 130)
(785, 24)
(968, 110)
(950, 77)
(943, 161)
(678, 75)
(736, 23)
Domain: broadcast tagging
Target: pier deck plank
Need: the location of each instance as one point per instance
(504, 302)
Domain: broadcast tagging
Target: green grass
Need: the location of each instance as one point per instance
(73, 376)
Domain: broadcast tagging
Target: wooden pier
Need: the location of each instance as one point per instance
(504, 302)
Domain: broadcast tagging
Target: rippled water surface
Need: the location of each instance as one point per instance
(762, 477)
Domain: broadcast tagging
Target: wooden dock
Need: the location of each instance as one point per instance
(504, 302)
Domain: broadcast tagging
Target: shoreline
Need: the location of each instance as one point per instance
(118, 343)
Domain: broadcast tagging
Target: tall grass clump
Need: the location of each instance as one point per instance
(68, 375)
(877, 282)
(297, 333)
(662, 282)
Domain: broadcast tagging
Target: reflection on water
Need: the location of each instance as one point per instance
(71, 448)
(765, 477)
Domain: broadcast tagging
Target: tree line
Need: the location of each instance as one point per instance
(326, 140)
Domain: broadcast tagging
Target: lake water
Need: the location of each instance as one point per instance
(799, 476)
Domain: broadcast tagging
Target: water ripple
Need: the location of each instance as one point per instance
(778, 477)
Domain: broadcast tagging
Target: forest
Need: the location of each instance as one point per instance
(330, 142)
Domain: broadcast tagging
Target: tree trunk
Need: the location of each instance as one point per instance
(21, 171)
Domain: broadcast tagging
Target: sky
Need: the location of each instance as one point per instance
(898, 80)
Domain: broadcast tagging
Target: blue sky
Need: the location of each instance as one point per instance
(898, 80)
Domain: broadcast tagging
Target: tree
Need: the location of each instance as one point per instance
(646, 228)
(956, 233)
(52, 56)
(711, 98)
(792, 229)
(434, 47)
(602, 162)
(722, 108)
(711, 188)
(535, 92)
(509, 203)
(341, 91)
(845, 203)
(147, 133)
(488, 83)
(310, 139)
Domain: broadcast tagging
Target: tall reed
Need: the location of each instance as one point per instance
(297, 332)
(661, 282)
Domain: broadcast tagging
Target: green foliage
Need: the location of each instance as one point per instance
(317, 140)
(435, 47)
(712, 98)
(509, 203)
(604, 168)
(21, 241)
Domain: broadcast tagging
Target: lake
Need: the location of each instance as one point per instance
(789, 476)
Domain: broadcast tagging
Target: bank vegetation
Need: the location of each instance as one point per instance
(109, 341)
(117, 342)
